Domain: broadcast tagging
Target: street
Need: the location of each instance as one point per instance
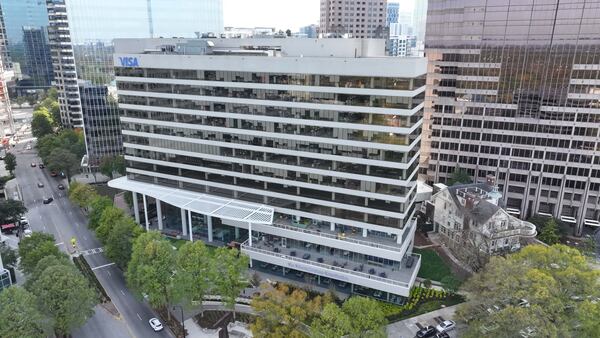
(64, 221)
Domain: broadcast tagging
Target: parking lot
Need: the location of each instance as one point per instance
(408, 328)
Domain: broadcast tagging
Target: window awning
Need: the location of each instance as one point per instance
(226, 208)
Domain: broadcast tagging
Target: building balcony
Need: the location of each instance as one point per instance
(396, 279)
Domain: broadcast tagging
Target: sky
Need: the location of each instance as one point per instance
(281, 14)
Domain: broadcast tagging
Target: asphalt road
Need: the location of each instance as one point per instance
(64, 221)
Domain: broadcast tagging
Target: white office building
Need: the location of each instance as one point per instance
(310, 145)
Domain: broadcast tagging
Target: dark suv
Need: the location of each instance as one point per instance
(426, 332)
(48, 200)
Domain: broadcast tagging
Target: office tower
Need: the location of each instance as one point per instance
(81, 34)
(312, 144)
(6, 74)
(512, 91)
(4, 55)
(401, 45)
(38, 62)
(393, 9)
(419, 18)
(310, 31)
(361, 19)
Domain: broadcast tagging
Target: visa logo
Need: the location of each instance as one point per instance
(129, 62)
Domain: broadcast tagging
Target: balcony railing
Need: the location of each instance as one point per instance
(246, 247)
(338, 237)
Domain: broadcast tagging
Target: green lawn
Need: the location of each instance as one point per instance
(432, 265)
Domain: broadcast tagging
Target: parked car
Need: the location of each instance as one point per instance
(53, 173)
(61, 187)
(23, 221)
(446, 325)
(155, 324)
(442, 335)
(33, 164)
(425, 332)
(40, 185)
(28, 147)
(27, 233)
(48, 200)
(41, 165)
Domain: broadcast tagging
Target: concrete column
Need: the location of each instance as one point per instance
(332, 226)
(136, 207)
(190, 225)
(159, 214)
(210, 229)
(184, 231)
(146, 212)
(365, 232)
(250, 233)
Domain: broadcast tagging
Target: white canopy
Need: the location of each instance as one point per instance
(226, 208)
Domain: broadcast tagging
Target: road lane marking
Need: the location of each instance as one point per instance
(108, 272)
(58, 244)
(103, 266)
(123, 293)
(84, 238)
(138, 316)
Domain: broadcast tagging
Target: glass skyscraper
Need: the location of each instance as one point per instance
(513, 90)
(81, 34)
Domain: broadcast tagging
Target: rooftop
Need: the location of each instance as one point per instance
(479, 201)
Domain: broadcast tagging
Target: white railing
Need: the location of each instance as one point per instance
(338, 237)
(246, 247)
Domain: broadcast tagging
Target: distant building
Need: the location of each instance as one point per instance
(5, 279)
(38, 61)
(310, 31)
(366, 19)
(401, 45)
(470, 216)
(393, 9)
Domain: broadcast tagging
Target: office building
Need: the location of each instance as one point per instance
(81, 34)
(401, 45)
(5, 279)
(6, 75)
(359, 19)
(393, 9)
(312, 145)
(310, 31)
(38, 62)
(512, 91)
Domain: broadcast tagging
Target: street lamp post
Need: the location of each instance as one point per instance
(182, 323)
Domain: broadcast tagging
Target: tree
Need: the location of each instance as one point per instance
(19, 101)
(232, 269)
(9, 255)
(283, 312)
(150, 270)
(195, 273)
(111, 164)
(82, 194)
(288, 32)
(589, 247)
(332, 323)
(41, 125)
(42, 265)
(97, 205)
(459, 176)
(110, 216)
(556, 281)
(33, 249)
(11, 211)
(450, 284)
(368, 319)
(63, 160)
(549, 233)
(66, 296)
(120, 240)
(19, 315)
(10, 162)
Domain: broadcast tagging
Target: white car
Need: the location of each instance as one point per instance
(27, 233)
(24, 221)
(28, 147)
(446, 325)
(155, 324)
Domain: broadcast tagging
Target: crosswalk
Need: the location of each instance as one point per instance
(92, 251)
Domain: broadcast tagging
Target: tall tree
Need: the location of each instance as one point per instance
(41, 125)
(195, 273)
(20, 316)
(556, 281)
(81, 194)
(97, 206)
(151, 268)
(110, 216)
(33, 249)
(63, 160)
(332, 323)
(459, 176)
(232, 269)
(368, 319)
(11, 211)
(66, 296)
(10, 162)
(549, 233)
(42, 265)
(119, 243)
(9, 255)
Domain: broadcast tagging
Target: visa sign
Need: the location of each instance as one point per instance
(129, 61)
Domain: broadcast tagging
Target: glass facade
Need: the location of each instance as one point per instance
(38, 62)
(513, 91)
(87, 55)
